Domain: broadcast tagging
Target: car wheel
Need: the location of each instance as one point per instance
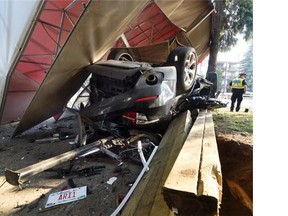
(185, 60)
(121, 55)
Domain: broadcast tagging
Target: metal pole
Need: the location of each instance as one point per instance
(18, 177)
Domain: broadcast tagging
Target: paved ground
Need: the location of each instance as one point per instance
(247, 102)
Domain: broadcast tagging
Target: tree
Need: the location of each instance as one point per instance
(246, 65)
(232, 17)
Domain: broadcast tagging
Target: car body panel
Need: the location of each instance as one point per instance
(151, 92)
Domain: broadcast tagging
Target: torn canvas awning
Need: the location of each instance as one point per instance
(101, 27)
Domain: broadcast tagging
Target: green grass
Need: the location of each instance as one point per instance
(226, 121)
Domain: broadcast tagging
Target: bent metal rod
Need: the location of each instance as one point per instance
(18, 177)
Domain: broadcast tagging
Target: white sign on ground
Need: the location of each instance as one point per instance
(66, 196)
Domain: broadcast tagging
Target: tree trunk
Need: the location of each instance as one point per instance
(215, 37)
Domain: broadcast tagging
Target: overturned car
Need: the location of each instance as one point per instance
(118, 87)
(139, 93)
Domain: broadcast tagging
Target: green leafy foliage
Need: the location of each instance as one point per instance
(233, 17)
(246, 65)
(236, 18)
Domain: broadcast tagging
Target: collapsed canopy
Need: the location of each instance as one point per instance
(66, 36)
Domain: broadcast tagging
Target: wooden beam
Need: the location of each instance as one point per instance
(147, 198)
(184, 174)
(210, 179)
(194, 185)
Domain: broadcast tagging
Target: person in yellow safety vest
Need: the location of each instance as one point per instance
(238, 87)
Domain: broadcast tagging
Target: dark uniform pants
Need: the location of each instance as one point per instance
(237, 95)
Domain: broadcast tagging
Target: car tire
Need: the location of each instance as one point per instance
(185, 60)
(121, 55)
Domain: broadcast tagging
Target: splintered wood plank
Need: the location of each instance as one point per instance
(180, 188)
(210, 179)
(194, 185)
(147, 198)
(184, 174)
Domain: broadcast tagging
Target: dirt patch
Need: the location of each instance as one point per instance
(107, 182)
(236, 157)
